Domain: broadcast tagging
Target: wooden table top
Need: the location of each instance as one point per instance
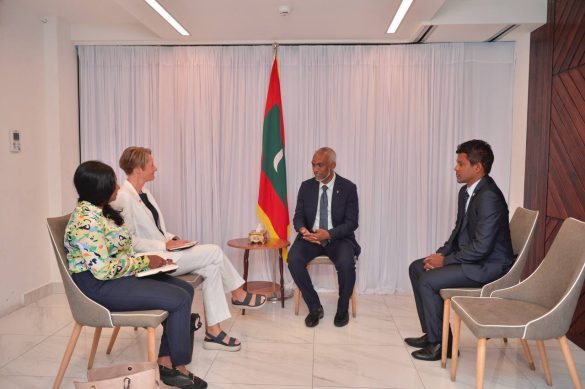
(244, 244)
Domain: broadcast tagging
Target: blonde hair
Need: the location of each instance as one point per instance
(134, 157)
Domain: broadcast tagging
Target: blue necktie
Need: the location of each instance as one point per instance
(323, 210)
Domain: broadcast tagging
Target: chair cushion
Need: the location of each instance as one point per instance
(321, 260)
(490, 317)
(324, 260)
(453, 292)
(192, 278)
(150, 318)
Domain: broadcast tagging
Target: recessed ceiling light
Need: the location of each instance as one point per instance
(402, 10)
(167, 16)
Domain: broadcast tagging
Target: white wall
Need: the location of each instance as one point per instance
(519, 122)
(38, 96)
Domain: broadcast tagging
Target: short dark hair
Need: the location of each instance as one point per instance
(478, 151)
(95, 182)
(329, 151)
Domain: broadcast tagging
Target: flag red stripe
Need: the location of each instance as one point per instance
(272, 206)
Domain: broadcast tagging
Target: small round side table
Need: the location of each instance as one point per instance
(271, 244)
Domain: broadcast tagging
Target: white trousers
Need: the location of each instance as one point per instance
(209, 261)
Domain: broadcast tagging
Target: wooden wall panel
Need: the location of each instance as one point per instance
(555, 162)
(552, 226)
(577, 331)
(569, 34)
(537, 134)
(566, 197)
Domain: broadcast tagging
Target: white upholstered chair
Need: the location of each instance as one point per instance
(541, 307)
(87, 312)
(522, 228)
(324, 260)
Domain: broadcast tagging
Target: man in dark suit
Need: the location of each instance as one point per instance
(478, 251)
(326, 217)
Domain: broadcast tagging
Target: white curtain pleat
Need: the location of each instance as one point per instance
(394, 114)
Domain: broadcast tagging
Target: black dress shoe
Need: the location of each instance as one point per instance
(341, 319)
(173, 377)
(198, 383)
(431, 352)
(420, 342)
(312, 318)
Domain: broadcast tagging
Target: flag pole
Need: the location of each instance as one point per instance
(275, 296)
(272, 207)
(275, 57)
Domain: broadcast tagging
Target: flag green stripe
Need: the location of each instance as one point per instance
(272, 144)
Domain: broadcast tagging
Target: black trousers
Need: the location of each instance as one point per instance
(161, 291)
(341, 254)
(426, 286)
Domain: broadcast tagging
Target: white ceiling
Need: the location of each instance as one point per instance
(309, 21)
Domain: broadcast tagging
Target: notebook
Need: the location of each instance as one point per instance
(185, 246)
(163, 269)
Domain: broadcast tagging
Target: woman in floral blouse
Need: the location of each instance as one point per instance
(103, 263)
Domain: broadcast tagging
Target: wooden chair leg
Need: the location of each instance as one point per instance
(205, 317)
(150, 344)
(113, 339)
(67, 355)
(94, 345)
(544, 361)
(455, 350)
(445, 341)
(354, 303)
(570, 362)
(480, 366)
(528, 354)
(297, 300)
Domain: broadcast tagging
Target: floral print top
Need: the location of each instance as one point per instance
(98, 244)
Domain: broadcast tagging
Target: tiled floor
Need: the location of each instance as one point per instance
(278, 351)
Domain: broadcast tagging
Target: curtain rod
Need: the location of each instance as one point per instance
(261, 44)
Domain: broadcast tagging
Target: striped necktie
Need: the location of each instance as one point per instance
(323, 204)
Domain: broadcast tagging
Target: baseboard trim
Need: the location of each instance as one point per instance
(43, 291)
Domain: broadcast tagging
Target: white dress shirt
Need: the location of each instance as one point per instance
(329, 186)
(470, 190)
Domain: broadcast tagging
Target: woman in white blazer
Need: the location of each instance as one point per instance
(146, 224)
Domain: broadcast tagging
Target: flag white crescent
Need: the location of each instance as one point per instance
(277, 159)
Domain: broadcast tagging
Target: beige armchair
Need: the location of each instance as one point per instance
(324, 260)
(522, 228)
(191, 278)
(87, 312)
(539, 308)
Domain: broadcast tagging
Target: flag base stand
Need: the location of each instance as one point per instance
(275, 297)
(268, 288)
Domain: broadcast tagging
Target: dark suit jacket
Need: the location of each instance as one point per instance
(488, 254)
(344, 209)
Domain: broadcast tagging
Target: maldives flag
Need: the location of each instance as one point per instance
(272, 204)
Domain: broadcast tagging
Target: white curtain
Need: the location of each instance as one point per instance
(394, 114)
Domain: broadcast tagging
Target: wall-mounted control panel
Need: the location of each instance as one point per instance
(14, 140)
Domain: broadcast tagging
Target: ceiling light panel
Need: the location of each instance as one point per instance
(167, 16)
(402, 10)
